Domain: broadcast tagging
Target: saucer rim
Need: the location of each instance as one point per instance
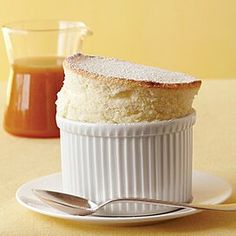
(147, 219)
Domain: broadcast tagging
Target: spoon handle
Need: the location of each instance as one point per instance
(219, 207)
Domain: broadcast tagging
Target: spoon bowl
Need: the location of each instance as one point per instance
(71, 204)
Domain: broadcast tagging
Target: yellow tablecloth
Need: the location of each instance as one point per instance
(23, 159)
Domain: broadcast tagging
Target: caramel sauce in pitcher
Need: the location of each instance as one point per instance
(31, 96)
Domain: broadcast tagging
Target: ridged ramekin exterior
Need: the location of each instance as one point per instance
(105, 161)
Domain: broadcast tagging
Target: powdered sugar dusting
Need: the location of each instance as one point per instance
(111, 67)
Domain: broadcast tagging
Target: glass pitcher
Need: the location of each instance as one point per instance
(36, 50)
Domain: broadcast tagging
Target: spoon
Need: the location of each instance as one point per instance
(76, 205)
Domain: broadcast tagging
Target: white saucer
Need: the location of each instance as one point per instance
(207, 189)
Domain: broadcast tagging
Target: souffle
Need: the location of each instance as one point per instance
(107, 90)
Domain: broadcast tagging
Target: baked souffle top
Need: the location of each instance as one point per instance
(108, 90)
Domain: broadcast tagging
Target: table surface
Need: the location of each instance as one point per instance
(23, 159)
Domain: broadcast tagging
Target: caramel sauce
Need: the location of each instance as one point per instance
(32, 90)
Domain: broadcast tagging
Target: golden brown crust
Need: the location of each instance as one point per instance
(131, 82)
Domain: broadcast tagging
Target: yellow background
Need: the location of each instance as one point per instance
(194, 36)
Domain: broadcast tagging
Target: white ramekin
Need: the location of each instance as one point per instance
(148, 160)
